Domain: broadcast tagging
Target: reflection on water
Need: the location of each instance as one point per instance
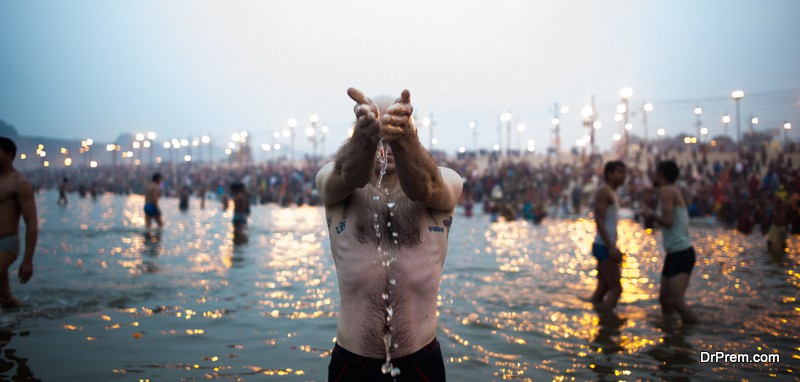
(201, 301)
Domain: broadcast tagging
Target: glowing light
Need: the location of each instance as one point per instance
(93, 164)
(505, 117)
(737, 94)
(291, 123)
(67, 162)
(626, 93)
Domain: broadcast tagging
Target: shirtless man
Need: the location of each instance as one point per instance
(16, 199)
(151, 210)
(389, 245)
(62, 192)
(605, 249)
(680, 259)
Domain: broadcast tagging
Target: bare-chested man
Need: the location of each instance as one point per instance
(151, 210)
(604, 248)
(389, 245)
(16, 199)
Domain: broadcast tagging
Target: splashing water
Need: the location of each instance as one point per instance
(386, 368)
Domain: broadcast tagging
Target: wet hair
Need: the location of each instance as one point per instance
(612, 166)
(669, 169)
(157, 177)
(8, 146)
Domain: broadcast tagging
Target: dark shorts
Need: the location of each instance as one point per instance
(679, 262)
(239, 218)
(599, 251)
(150, 209)
(424, 365)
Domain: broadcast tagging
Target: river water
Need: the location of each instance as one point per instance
(108, 303)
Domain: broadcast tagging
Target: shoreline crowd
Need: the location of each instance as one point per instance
(741, 192)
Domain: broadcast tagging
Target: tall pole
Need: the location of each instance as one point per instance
(737, 95)
(557, 127)
(474, 127)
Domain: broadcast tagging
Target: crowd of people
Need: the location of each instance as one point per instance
(742, 192)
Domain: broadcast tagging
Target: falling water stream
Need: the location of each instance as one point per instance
(387, 259)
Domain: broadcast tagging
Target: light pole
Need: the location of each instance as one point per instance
(589, 124)
(275, 135)
(473, 126)
(697, 112)
(324, 129)
(753, 123)
(786, 127)
(428, 123)
(738, 95)
(625, 94)
(557, 128)
(648, 107)
(505, 118)
(520, 130)
(312, 135)
(151, 137)
(292, 123)
(726, 119)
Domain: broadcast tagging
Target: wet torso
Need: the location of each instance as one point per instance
(409, 284)
(10, 210)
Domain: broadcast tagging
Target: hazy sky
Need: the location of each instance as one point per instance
(96, 69)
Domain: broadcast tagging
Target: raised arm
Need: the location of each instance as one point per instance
(420, 178)
(355, 161)
(27, 205)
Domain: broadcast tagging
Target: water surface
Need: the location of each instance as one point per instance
(108, 303)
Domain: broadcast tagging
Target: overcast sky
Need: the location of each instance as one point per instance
(96, 69)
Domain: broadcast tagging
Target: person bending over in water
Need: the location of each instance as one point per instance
(389, 219)
(16, 199)
(151, 210)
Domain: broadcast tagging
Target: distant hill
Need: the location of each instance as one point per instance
(7, 130)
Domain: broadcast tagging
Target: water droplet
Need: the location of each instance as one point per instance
(386, 368)
(376, 197)
(389, 224)
(393, 281)
(395, 371)
(389, 312)
(385, 296)
(390, 204)
(395, 234)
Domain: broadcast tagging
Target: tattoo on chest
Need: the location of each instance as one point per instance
(447, 222)
(341, 226)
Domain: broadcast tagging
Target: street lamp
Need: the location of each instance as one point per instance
(324, 130)
(753, 123)
(589, 124)
(428, 123)
(292, 123)
(520, 130)
(648, 107)
(738, 95)
(625, 94)
(786, 127)
(473, 126)
(697, 112)
(506, 118)
(312, 136)
(726, 119)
